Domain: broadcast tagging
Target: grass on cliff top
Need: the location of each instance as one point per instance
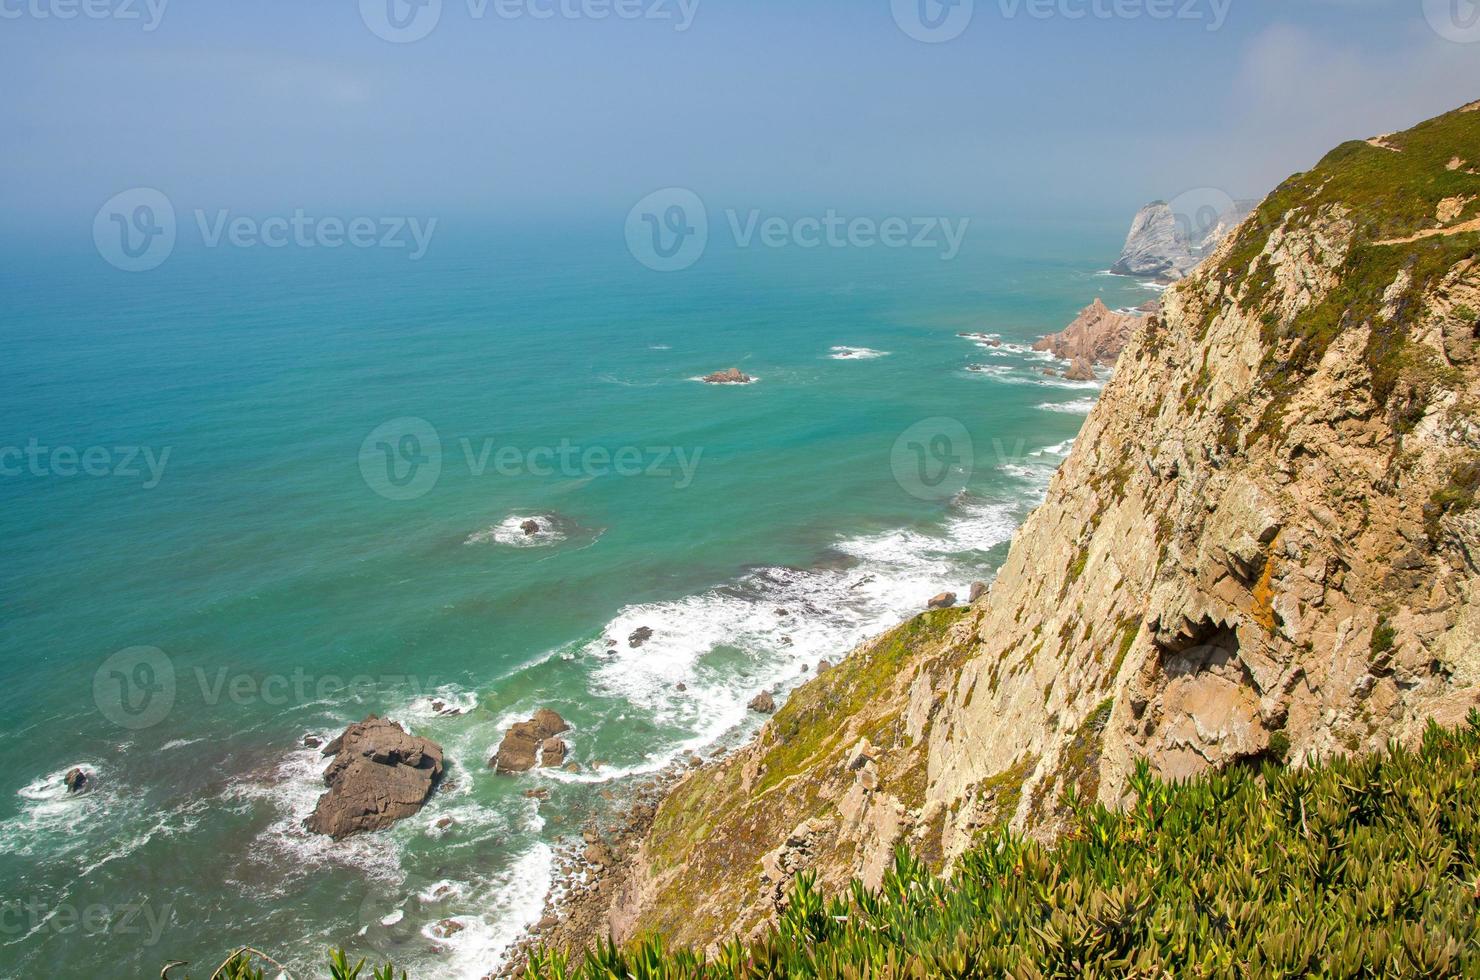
(1388, 195)
(1356, 867)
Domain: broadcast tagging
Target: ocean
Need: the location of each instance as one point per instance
(257, 494)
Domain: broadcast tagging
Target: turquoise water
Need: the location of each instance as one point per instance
(253, 560)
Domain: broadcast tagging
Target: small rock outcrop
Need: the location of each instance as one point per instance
(526, 742)
(530, 527)
(76, 780)
(943, 601)
(1097, 336)
(978, 589)
(764, 703)
(640, 636)
(730, 376)
(380, 774)
(1080, 370)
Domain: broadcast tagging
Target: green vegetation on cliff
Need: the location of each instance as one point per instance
(1411, 204)
(1355, 867)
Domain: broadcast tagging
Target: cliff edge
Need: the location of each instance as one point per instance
(1264, 546)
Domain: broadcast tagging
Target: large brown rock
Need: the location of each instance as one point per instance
(380, 774)
(523, 742)
(1097, 335)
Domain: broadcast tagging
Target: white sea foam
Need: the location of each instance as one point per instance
(510, 532)
(876, 581)
(856, 353)
(1079, 406)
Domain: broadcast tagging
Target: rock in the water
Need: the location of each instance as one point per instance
(530, 527)
(380, 774)
(680, 687)
(1097, 336)
(943, 601)
(978, 589)
(1163, 244)
(76, 780)
(552, 752)
(763, 702)
(312, 741)
(640, 636)
(523, 742)
(1050, 373)
(1080, 370)
(447, 928)
(731, 376)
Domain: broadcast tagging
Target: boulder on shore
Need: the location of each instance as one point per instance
(1080, 370)
(730, 376)
(978, 589)
(526, 741)
(764, 703)
(943, 601)
(380, 774)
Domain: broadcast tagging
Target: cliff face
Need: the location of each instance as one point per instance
(1264, 544)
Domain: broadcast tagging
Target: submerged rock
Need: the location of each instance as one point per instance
(526, 741)
(380, 774)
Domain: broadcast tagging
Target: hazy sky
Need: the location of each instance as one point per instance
(1053, 106)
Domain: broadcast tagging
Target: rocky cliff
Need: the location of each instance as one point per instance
(1263, 546)
(1167, 242)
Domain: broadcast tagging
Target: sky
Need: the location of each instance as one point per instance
(534, 109)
